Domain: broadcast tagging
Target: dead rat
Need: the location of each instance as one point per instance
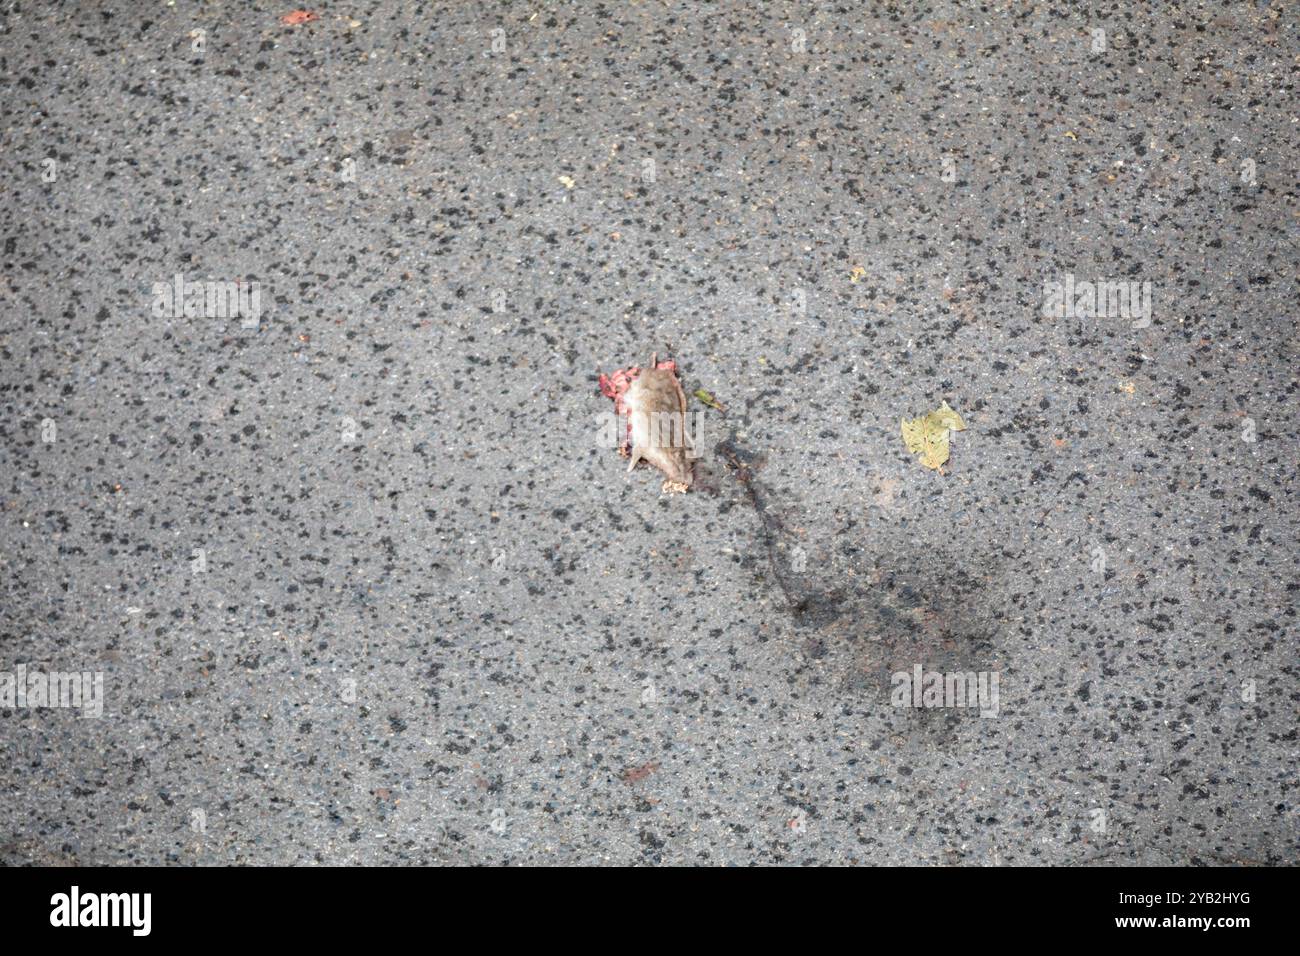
(656, 408)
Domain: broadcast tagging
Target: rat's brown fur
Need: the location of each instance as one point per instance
(657, 411)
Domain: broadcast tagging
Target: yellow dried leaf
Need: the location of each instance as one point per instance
(927, 436)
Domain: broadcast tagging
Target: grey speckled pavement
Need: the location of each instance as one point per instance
(363, 582)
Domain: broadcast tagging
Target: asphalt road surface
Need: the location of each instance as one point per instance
(359, 578)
